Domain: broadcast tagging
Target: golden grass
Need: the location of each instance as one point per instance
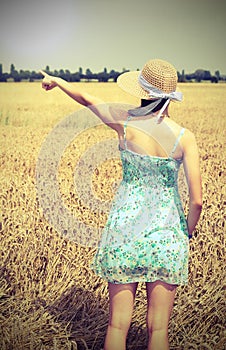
(49, 298)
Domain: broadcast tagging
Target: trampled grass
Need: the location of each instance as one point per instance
(49, 297)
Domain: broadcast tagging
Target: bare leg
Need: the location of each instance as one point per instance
(121, 308)
(160, 297)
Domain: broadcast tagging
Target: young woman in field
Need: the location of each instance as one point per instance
(146, 238)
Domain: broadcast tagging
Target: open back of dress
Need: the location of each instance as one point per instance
(146, 137)
(145, 238)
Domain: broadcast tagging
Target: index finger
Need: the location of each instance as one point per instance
(43, 73)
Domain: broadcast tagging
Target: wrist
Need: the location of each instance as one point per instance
(56, 80)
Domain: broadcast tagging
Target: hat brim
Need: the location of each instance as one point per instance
(129, 82)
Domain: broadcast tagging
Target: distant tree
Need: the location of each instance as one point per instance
(207, 75)
(75, 77)
(103, 76)
(3, 76)
(16, 76)
(89, 74)
(14, 73)
(12, 68)
(67, 75)
(214, 79)
(114, 75)
(201, 74)
(61, 73)
(35, 76)
(183, 78)
(217, 74)
(24, 74)
(64, 74)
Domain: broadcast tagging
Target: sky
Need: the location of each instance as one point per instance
(112, 34)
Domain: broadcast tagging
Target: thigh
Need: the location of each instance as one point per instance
(121, 298)
(160, 297)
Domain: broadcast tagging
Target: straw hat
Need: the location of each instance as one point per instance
(157, 72)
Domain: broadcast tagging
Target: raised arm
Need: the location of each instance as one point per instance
(49, 82)
(98, 106)
(193, 177)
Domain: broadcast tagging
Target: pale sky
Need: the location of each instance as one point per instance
(115, 34)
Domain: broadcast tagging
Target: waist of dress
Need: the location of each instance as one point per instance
(149, 181)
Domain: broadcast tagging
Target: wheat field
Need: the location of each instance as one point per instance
(49, 297)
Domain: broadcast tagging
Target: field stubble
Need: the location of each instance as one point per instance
(49, 298)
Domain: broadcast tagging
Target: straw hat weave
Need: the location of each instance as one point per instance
(159, 73)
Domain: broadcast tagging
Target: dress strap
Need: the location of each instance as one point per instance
(177, 141)
(124, 131)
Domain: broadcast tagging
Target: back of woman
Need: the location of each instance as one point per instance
(147, 136)
(146, 237)
(146, 228)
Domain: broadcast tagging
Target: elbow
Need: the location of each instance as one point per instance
(197, 205)
(196, 201)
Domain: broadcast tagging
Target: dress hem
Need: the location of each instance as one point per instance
(144, 280)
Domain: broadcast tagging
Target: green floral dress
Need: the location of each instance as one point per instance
(145, 238)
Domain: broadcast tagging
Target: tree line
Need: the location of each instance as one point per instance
(104, 76)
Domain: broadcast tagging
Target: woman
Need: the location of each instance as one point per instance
(146, 236)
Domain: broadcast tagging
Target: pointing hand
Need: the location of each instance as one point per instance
(48, 82)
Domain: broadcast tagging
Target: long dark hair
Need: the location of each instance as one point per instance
(145, 103)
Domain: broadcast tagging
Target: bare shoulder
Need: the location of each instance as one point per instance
(188, 137)
(188, 142)
(175, 127)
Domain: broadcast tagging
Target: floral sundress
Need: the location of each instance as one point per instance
(145, 238)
